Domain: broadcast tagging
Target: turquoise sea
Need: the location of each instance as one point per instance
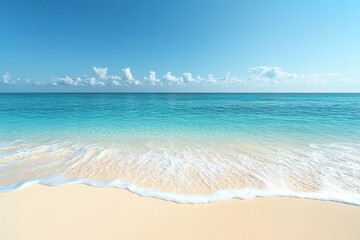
(188, 148)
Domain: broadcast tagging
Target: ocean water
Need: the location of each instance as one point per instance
(188, 148)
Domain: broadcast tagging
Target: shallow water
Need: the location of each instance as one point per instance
(185, 147)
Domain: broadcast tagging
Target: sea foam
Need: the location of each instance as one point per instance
(220, 195)
(189, 173)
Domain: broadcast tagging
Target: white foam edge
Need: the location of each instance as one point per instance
(220, 195)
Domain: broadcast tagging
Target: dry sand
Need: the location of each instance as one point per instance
(83, 212)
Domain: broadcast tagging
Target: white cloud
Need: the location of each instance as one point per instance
(66, 81)
(152, 78)
(188, 77)
(94, 82)
(7, 78)
(128, 74)
(69, 81)
(232, 79)
(101, 72)
(172, 79)
(265, 74)
(210, 79)
(115, 78)
(258, 75)
(41, 83)
(129, 77)
(115, 83)
(136, 82)
(199, 78)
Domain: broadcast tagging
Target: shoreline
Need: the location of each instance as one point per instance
(78, 211)
(213, 197)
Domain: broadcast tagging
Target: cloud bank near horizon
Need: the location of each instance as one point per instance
(261, 76)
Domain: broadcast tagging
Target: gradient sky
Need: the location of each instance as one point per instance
(247, 46)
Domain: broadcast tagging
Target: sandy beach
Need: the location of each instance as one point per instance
(83, 212)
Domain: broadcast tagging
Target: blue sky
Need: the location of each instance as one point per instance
(228, 45)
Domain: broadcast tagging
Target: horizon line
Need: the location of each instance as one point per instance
(59, 92)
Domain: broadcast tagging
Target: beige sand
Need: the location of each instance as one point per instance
(83, 212)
